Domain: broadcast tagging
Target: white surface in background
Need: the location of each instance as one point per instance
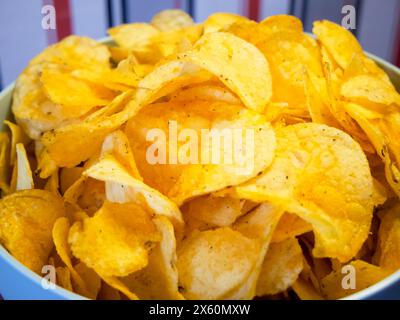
(274, 7)
(203, 8)
(21, 36)
(89, 18)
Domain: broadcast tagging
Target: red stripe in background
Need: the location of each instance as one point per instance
(253, 9)
(63, 18)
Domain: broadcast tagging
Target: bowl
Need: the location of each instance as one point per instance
(18, 282)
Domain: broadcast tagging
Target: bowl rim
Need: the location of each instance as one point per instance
(66, 294)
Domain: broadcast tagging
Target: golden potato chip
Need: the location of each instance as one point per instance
(60, 237)
(283, 22)
(172, 19)
(115, 283)
(159, 279)
(117, 144)
(125, 188)
(258, 225)
(312, 152)
(115, 241)
(68, 176)
(26, 221)
(205, 92)
(366, 88)
(305, 291)
(281, 267)
(76, 96)
(211, 263)
(108, 293)
(71, 144)
(220, 20)
(17, 136)
(389, 239)
(357, 276)
(90, 278)
(63, 277)
(4, 162)
(52, 184)
(223, 54)
(338, 41)
(217, 153)
(214, 211)
(290, 226)
(24, 172)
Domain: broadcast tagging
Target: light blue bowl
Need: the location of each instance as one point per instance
(18, 282)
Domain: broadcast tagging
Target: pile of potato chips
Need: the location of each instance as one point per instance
(320, 203)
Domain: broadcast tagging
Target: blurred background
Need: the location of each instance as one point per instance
(22, 35)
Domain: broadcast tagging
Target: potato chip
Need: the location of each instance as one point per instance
(339, 42)
(339, 284)
(214, 211)
(108, 293)
(283, 22)
(68, 176)
(258, 225)
(17, 136)
(371, 89)
(207, 93)
(159, 280)
(91, 279)
(26, 221)
(24, 172)
(389, 239)
(115, 241)
(88, 136)
(4, 162)
(214, 163)
(127, 188)
(220, 20)
(290, 226)
(313, 152)
(281, 267)
(305, 291)
(60, 237)
(115, 283)
(63, 277)
(211, 263)
(170, 20)
(222, 54)
(53, 184)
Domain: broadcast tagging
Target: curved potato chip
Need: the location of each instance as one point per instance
(117, 284)
(313, 152)
(172, 19)
(305, 291)
(283, 22)
(60, 237)
(133, 36)
(63, 277)
(199, 163)
(220, 20)
(214, 211)
(159, 279)
(68, 176)
(211, 263)
(71, 144)
(207, 93)
(17, 136)
(4, 162)
(26, 222)
(112, 242)
(290, 226)
(371, 89)
(108, 170)
(223, 54)
(389, 239)
(24, 172)
(365, 276)
(91, 279)
(258, 225)
(281, 267)
(53, 184)
(339, 42)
